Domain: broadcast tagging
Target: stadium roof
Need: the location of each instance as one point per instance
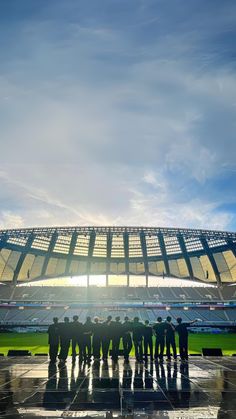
(50, 252)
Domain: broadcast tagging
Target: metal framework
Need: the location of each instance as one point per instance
(50, 252)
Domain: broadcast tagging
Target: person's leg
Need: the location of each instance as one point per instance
(116, 348)
(81, 348)
(162, 347)
(156, 348)
(89, 349)
(73, 348)
(181, 348)
(173, 344)
(67, 347)
(151, 349)
(53, 350)
(136, 350)
(85, 348)
(186, 348)
(168, 348)
(96, 348)
(130, 344)
(125, 347)
(145, 349)
(104, 348)
(141, 350)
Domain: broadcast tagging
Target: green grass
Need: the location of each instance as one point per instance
(37, 342)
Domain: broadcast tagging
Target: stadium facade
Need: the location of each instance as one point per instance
(52, 252)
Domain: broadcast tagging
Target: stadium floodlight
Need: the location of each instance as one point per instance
(168, 308)
(21, 308)
(185, 308)
(212, 308)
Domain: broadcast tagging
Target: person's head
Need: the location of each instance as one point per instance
(109, 318)
(66, 319)
(147, 322)
(75, 318)
(136, 319)
(159, 319)
(168, 319)
(88, 319)
(126, 318)
(96, 319)
(179, 320)
(55, 320)
(117, 318)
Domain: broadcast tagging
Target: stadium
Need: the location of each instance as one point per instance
(117, 271)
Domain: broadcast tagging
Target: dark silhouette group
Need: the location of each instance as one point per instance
(96, 338)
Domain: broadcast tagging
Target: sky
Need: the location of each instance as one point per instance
(118, 112)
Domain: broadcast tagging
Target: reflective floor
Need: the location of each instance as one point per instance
(203, 388)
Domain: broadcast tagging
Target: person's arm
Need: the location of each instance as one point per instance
(194, 321)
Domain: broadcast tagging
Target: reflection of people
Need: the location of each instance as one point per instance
(170, 338)
(182, 329)
(127, 376)
(159, 329)
(185, 392)
(138, 375)
(126, 338)
(53, 340)
(148, 341)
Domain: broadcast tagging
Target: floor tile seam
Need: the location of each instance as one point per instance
(70, 403)
(161, 390)
(16, 378)
(220, 366)
(32, 394)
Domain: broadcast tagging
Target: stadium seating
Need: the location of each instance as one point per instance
(66, 299)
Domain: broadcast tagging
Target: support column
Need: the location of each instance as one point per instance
(144, 251)
(163, 251)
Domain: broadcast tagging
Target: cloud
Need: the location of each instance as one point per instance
(111, 120)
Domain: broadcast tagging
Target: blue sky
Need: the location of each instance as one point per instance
(118, 112)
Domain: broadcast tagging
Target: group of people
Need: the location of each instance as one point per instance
(94, 338)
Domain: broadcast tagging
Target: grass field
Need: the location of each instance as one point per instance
(37, 342)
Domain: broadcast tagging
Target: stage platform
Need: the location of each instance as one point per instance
(203, 388)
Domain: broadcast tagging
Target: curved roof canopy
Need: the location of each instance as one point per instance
(40, 253)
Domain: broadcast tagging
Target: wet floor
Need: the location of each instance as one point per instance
(203, 388)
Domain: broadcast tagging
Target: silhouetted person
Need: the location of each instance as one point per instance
(127, 338)
(106, 337)
(87, 334)
(159, 329)
(116, 336)
(138, 339)
(170, 338)
(182, 329)
(53, 340)
(65, 337)
(77, 338)
(148, 344)
(97, 338)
